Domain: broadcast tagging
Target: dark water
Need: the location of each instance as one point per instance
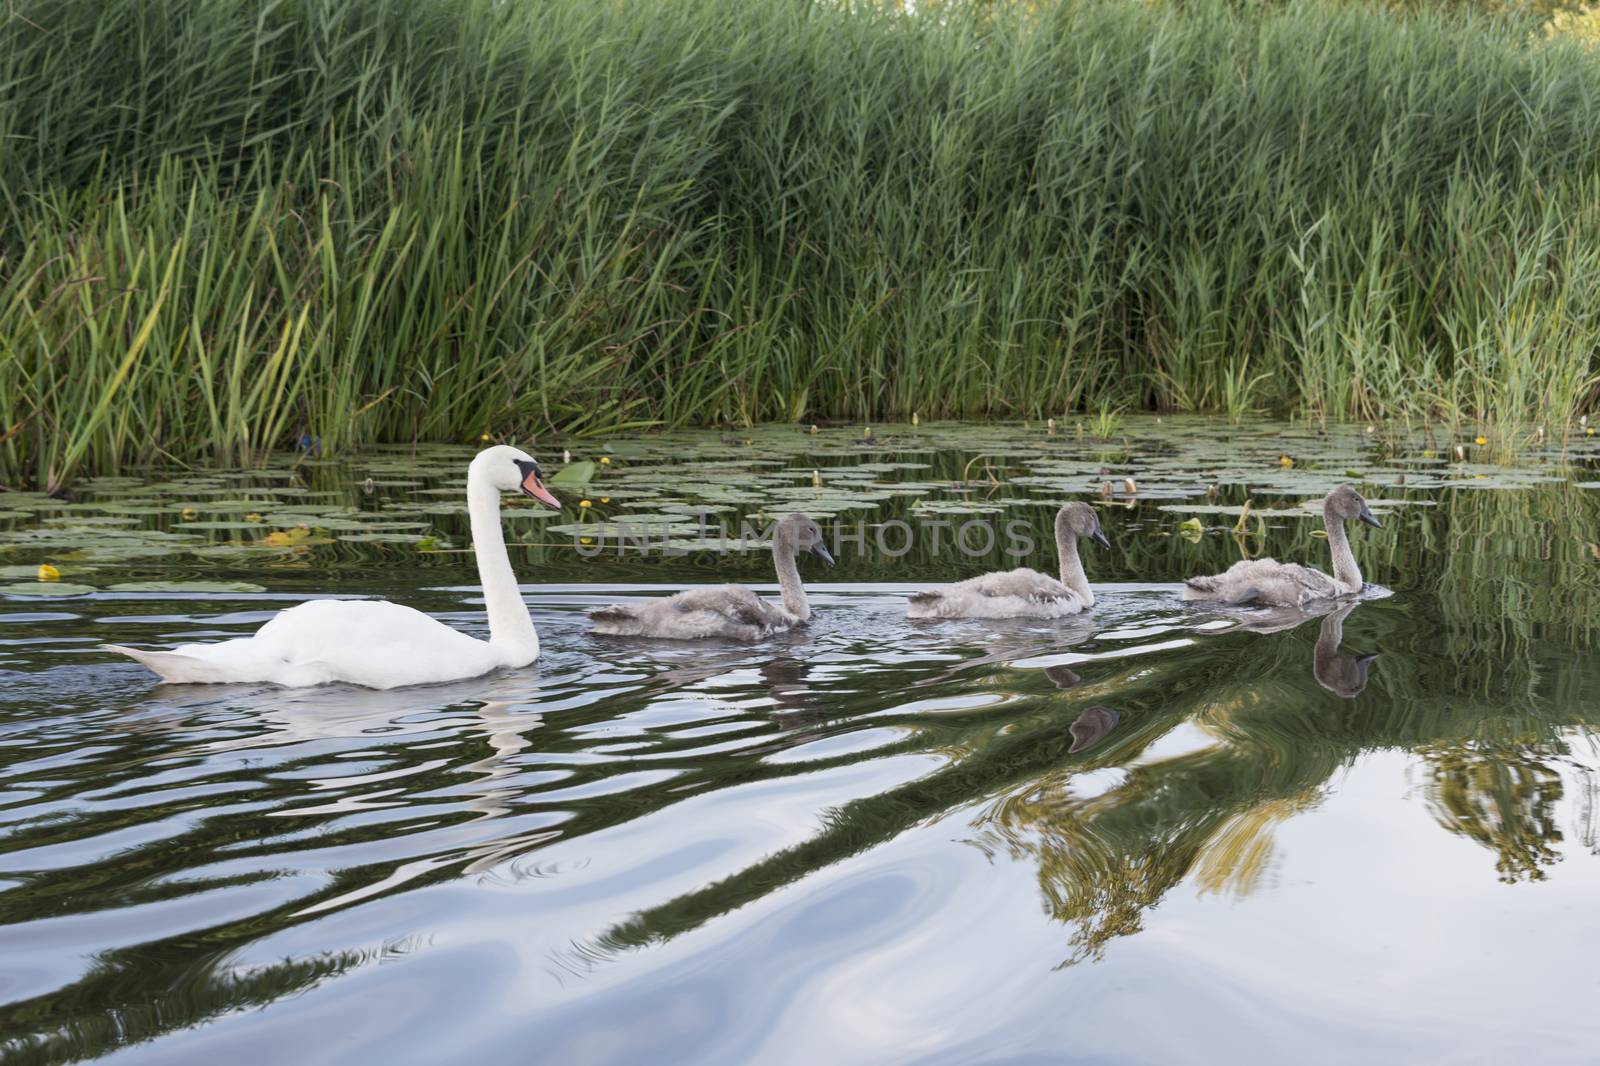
(1147, 835)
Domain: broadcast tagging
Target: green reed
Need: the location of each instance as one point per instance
(228, 226)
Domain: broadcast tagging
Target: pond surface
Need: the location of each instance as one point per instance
(1149, 834)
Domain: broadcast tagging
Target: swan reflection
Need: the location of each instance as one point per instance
(1342, 674)
(1091, 727)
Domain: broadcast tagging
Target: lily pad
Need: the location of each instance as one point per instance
(46, 589)
(186, 586)
(580, 473)
(32, 570)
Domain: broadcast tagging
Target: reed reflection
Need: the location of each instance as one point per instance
(1503, 797)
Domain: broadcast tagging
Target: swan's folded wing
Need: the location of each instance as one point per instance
(1021, 584)
(1263, 581)
(1314, 582)
(734, 602)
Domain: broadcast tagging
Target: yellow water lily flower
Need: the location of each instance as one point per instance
(605, 460)
(1480, 440)
(1286, 462)
(484, 437)
(189, 514)
(288, 538)
(252, 517)
(585, 503)
(48, 573)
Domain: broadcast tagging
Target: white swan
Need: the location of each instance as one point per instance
(379, 644)
(1023, 593)
(1267, 581)
(730, 611)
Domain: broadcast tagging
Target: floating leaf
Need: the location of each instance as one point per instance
(31, 570)
(573, 474)
(46, 589)
(185, 586)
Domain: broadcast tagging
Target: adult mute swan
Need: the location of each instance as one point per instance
(1267, 581)
(730, 611)
(379, 644)
(1023, 593)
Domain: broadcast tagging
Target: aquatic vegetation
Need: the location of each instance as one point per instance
(214, 248)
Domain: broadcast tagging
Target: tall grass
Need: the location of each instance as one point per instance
(232, 225)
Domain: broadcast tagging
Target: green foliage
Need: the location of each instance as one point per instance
(230, 226)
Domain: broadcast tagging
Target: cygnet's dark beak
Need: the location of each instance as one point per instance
(820, 550)
(1367, 517)
(1099, 538)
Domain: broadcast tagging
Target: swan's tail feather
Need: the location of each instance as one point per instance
(171, 666)
(1214, 588)
(616, 619)
(925, 604)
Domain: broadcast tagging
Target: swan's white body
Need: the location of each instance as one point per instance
(1269, 582)
(379, 644)
(1023, 593)
(731, 612)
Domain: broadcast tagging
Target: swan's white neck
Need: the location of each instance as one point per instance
(510, 627)
(793, 592)
(1345, 570)
(1072, 574)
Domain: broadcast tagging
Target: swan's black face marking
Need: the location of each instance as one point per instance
(531, 482)
(1099, 537)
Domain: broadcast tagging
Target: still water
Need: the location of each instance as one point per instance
(1151, 834)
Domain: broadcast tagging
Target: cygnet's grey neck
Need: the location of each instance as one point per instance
(793, 593)
(1072, 574)
(1345, 570)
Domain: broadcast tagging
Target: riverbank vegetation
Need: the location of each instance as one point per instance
(231, 227)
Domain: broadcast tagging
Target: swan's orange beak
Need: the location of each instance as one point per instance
(533, 486)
